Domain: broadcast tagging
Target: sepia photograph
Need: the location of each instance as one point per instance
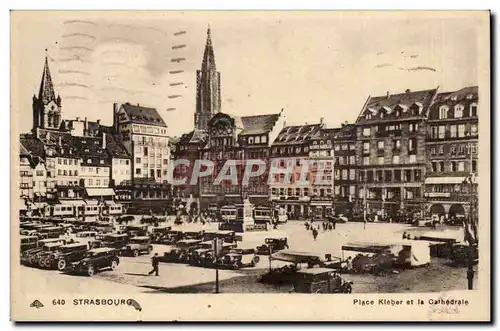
(165, 165)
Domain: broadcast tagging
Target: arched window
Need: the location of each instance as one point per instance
(443, 112)
(459, 111)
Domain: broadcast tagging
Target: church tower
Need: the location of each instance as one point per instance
(46, 107)
(208, 100)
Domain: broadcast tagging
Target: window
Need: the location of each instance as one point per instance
(380, 144)
(137, 160)
(344, 174)
(337, 190)
(366, 160)
(135, 128)
(441, 149)
(380, 160)
(459, 111)
(412, 144)
(337, 174)
(441, 166)
(453, 131)
(434, 166)
(366, 132)
(413, 127)
(434, 132)
(65, 162)
(413, 158)
(442, 129)
(461, 130)
(352, 190)
(397, 144)
(39, 173)
(352, 147)
(344, 147)
(352, 159)
(461, 149)
(89, 161)
(461, 166)
(395, 159)
(366, 147)
(337, 147)
(352, 174)
(59, 172)
(98, 182)
(91, 182)
(474, 166)
(473, 129)
(263, 139)
(101, 161)
(453, 166)
(59, 161)
(443, 112)
(473, 109)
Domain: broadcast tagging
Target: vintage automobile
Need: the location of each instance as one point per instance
(43, 256)
(240, 258)
(272, 245)
(185, 248)
(66, 253)
(198, 235)
(224, 249)
(262, 215)
(136, 230)
(460, 254)
(227, 236)
(158, 233)
(114, 240)
(202, 257)
(172, 237)
(94, 261)
(30, 256)
(209, 235)
(320, 280)
(32, 233)
(28, 242)
(374, 258)
(51, 232)
(138, 245)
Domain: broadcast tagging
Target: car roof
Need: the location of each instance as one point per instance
(102, 250)
(51, 240)
(53, 244)
(140, 238)
(225, 232)
(115, 235)
(189, 241)
(315, 271)
(74, 245)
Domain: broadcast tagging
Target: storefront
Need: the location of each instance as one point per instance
(321, 206)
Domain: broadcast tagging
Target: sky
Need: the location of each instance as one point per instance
(314, 65)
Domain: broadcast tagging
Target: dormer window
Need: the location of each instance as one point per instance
(89, 161)
(443, 112)
(315, 142)
(469, 96)
(102, 161)
(86, 150)
(454, 98)
(368, 116)
(459, 111)
(381, 114)
(398, 113)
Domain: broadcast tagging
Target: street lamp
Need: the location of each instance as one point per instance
(471, 238)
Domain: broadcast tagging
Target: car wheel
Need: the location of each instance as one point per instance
(61, 265)
(347, 289)
(91, 271)
(136, 253)
(114, 265)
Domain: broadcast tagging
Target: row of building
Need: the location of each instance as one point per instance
(405, 152)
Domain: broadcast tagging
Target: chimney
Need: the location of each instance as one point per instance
(98, 122)
(321, 120)
(115, 116)
(78, 119)
(104, 140)
(407, 91)
(388, 95)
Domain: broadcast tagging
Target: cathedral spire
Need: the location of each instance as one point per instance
(46, 93)
(208, 55)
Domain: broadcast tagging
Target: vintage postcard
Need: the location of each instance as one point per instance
(250, 166)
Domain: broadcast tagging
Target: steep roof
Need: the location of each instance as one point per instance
(258, 124)
(388, 104)
(196, 136)
(90, 148)
(469, 92)
(32, 145)
(143, 115)
(115, 147)
(46, 93)
(297, 134)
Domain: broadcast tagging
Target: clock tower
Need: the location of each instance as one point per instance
(208, 101)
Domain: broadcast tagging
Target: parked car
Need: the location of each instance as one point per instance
(138, 245)
(116, 241)
(30, 256)
(28, 242)
(65, 253)
(193, 235)
(94, 261)
(240, 258)
(320, 280)
(47, 250)
(272, 245)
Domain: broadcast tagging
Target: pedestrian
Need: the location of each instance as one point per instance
(364, 223)
(155, 262)
(315, 233)
(334, 223)
(349, 264)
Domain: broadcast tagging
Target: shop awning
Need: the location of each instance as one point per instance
(111, 203)
(444, 180)
(92, 202)
(97, 192)
(72, 202)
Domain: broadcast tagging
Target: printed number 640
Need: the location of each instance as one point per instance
(60, 302)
